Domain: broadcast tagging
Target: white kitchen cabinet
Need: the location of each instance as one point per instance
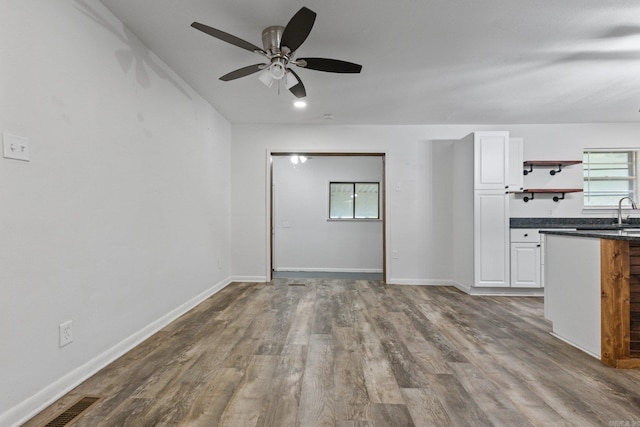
(491, 243)
(525, 265)
(526, 259)
(491, 160)
(481, 184)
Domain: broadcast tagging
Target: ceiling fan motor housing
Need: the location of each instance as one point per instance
(271, 37)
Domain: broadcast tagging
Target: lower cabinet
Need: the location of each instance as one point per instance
(491, 238)
(526, 263)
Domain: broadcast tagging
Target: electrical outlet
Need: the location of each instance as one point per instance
(66, 333)
(16, 147)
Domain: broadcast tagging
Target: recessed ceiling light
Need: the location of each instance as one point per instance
(299, 104)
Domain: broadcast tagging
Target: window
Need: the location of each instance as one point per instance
(354, 200)
(609, 176)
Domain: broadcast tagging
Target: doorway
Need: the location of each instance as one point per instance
(305, 240)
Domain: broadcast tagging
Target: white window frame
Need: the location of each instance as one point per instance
(353, 217)
(634, 177)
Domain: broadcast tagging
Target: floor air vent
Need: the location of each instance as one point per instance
(72, 411)
(296, 284)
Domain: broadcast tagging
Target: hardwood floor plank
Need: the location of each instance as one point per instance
(247, 403)
(317, 399)
(211, 401)
(301, 320)
(284, 398)
(517, 391)
(379, 379)
(430, 359)
(458, 403)
(250, 342)
(403, 365)
(425, 408)
(489, 398)
(349, 378)
(429, 331)
(387, 415)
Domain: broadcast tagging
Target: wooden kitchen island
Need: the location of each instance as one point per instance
(592, 292)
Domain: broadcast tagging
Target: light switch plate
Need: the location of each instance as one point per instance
(16, 147)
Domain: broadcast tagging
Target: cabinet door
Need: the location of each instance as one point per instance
(491, 238)
(516, 159)
(491, 158)
(525, 265)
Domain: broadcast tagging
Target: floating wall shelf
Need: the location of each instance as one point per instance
(562, 191)
(553, 163)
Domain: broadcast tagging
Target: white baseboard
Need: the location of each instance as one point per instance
(506, 292)
(520, 292)
(464, 288)
(32, 406)
(597, 356)
(330, 270)
(420, 282)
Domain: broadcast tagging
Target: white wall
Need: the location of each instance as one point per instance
(419, 208)
(305, 240)
(122, 214)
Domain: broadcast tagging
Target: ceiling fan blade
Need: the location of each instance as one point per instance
(298, 89)
(242, 72)
(221, 35)
(298, 29)
(330, 65)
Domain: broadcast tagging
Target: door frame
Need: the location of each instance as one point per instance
(270, 205)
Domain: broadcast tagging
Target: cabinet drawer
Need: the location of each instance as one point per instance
(525, 235)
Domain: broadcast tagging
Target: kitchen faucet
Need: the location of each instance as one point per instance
(633, 206)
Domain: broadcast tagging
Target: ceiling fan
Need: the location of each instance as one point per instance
(280, 45)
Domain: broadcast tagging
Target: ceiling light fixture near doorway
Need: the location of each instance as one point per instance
(299, 104)
(295, 159)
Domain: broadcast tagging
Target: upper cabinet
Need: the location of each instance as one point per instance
(498, 161)
(491, 157)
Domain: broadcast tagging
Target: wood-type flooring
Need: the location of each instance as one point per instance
(357, 353)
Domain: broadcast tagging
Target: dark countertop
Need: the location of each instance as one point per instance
(575, 223)
(624, 234)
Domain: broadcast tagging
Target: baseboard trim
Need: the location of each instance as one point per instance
(506, 292)
(496, 292)
(420, 282)
(32, 406)
(553, 334)
(329, 270)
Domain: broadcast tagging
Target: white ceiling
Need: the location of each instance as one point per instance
(424, 62)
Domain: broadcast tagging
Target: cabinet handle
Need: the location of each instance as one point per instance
(538, 246)
(526, 235)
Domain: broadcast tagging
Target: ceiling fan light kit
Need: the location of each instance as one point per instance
(279, 47)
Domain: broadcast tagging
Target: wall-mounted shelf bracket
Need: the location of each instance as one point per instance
(561, 192)
(553, 172)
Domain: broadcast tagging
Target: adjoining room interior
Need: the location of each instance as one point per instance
(312, 237)
(136, 216)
